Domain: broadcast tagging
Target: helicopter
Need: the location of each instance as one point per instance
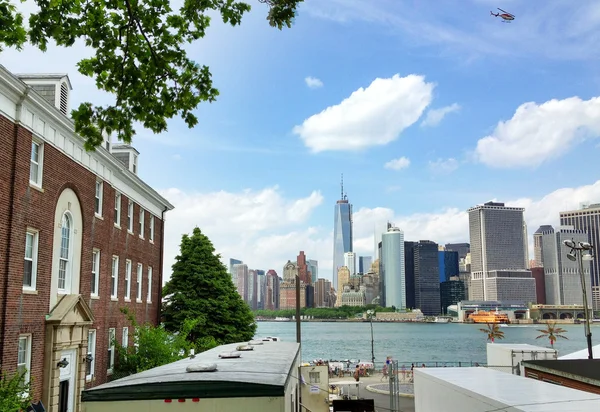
(506, 16)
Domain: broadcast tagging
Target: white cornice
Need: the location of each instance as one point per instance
(12, 89)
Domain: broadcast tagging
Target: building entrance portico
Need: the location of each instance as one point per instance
(65, 353)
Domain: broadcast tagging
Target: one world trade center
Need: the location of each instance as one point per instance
(342, 233)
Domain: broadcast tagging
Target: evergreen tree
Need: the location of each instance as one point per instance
(201, 289)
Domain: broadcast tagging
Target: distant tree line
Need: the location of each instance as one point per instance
(342, 312)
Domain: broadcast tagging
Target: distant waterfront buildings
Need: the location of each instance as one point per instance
(448, 264)
(427, 278)
(462, 248)
(233, 262)
(392, 273)
(498, 256)
(588, 219)
(537, 245)
(409, 274)
(452, 291)
(342, 232)
(272, 294)
(364, 264)
(350, 262)
(239, 276)
(313, 266)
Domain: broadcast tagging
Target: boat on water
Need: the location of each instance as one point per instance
(280, 319)
(442, 319)
(483, 316)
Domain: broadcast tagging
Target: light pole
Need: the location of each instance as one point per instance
(370, 314)
(576, 254)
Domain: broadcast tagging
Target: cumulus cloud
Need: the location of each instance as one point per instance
(265, 229)
(397, 164)
(538, 133)
(435, 116)
(372, 116)
(443, 166)
(313, 82)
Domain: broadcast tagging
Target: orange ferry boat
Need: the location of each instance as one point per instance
(489, 317)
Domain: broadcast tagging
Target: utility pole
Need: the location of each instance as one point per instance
(298, 324)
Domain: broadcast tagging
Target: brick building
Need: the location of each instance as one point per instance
(81, 236)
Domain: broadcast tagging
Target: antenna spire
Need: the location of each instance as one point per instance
(342, 187)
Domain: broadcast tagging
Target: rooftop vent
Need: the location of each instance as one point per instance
(255, 342)
(202, 367)
(54, 88)
(229, 355)
(127, 155)
(244, 348)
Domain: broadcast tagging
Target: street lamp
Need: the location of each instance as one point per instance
(370, 314)
(576, 254)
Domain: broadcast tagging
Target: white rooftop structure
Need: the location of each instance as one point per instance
(485, 390)
(583, 354)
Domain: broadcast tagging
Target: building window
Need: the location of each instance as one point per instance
(114, 277)
(64, 263)
(125, 339)
(151, 228)
(90, 361)
(314, 377)
(139, 282)
(99, 190)
(118, 209)
(135, 165)
(95, 272)
(142, 218)
(111, 349)
(127, 279)
(24, 357)
(130, 216)
(31, 257)
(149, 297)
(36, 163)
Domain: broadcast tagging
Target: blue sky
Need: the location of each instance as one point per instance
(466, 108)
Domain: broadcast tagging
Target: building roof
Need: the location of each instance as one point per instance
(583, 370)
(544, 228)
(262, 372)
(502, 390)
(583, 354)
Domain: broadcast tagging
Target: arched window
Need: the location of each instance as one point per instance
(64, 268)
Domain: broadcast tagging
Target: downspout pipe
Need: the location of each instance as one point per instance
(9, 242)
(161, 260)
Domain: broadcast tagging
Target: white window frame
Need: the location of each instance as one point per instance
(125, 337)
(98, 198)
(140, 281)
(151, 228)
(127, 280)
(91, 350)
(135, 164)
(114, 277)
(27, 361)
(112, 335)
(34, 258)
(118, 209)
(142, 219)
(95, 292)
(130, 216)
(149, 295)
(40, 163)
(68, 259)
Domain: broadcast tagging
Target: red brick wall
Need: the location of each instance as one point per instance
(33, 208)
(569, 383)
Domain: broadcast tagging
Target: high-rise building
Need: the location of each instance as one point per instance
(427, 278)
(287, 288)
(409, 273)
(540, 284)
(537, 246)
(342, 232)
(364, 264)
(498, 255)
(588, 219)
(261, 282)
(303, 270)
(561, 275)
(240, 279)
(452, 291)
(461, 248)
(343, 279)
(272, 294)
(233, 262)
(448, 264)
(313, 266)
(350, 262)
(392, 265)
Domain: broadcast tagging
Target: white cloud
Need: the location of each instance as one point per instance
(313, 82)
(443, 166)
(372, 116)
(538, 133)
(397, 164)
(435, 116)
(262, 228)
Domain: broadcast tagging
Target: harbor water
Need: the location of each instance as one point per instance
(414, 342)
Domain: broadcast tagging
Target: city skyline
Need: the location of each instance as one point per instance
(448, 113)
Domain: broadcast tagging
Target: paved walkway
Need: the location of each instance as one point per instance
(376, 385)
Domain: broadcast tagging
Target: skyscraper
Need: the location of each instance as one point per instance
(342, 232)
(392, 258)
(350, 262)
(364, 264)
(232, 262)
(313, 266)
(498, 256)
(537, 245)
(427, 277)
(588, 219)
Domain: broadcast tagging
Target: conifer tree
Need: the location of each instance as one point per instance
(200, 288)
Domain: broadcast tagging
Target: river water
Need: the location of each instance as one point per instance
(413, 342)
